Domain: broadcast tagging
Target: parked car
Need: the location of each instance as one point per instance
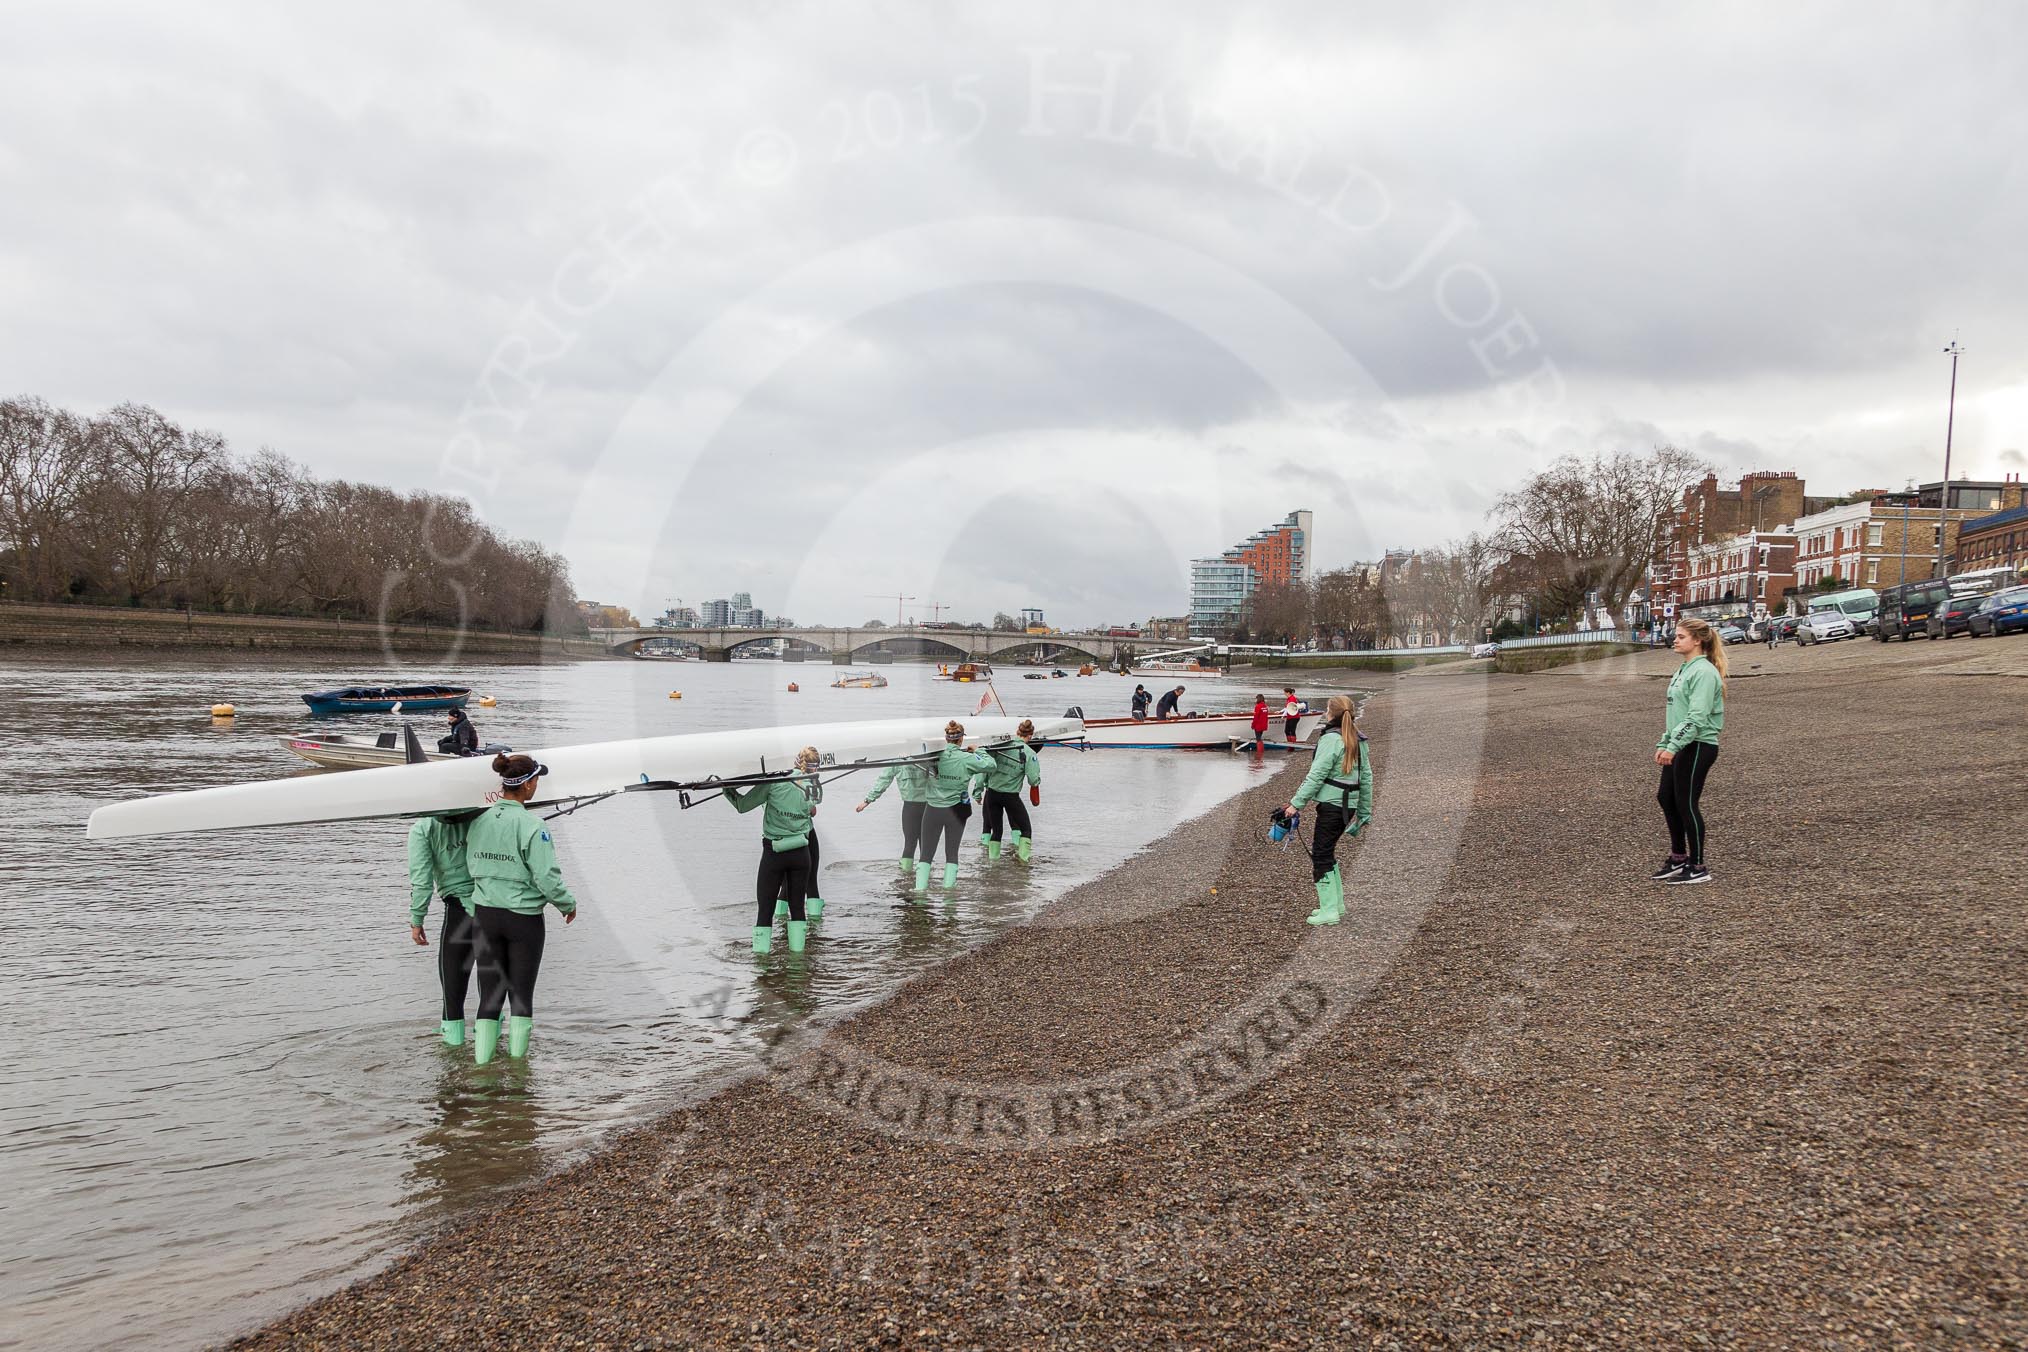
(1861, 606)
(1953, 616)
(1905, 610)
(1731, 633)
(1825, 626)
(2004, 612)
(1786, 626)
(1486, 650)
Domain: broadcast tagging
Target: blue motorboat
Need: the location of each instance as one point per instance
(381, 699)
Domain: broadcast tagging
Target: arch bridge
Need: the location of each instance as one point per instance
(846, 646)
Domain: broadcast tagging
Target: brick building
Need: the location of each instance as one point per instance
(1762, 501)
(1220, 588)
(1753, 572)
(1996, 541)
(1893, 538)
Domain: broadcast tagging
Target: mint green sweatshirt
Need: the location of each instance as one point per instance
(790, 804)
(913, 781)
(436, 864)
(1326, 764)
(1696, 705)
(1013, 765)
(954, 767)
(513, 862)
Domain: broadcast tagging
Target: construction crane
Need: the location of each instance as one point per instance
(897, 605)
(936, 610)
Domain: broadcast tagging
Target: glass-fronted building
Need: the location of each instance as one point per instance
(1220, 588)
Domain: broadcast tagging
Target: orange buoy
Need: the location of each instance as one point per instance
(792, 687)
(487, 701)
(675, 694)
(223, 711)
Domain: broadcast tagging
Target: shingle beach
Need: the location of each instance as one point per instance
(1523, 1097)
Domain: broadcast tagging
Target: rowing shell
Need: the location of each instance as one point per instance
(576, 773)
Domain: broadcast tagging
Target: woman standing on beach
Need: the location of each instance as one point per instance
(999, 790)
(1260, 722)
(784, 873)
(1340, 782)
(436, 866)
(1696, 713)
(913, 784)
(514, 875)
(947, 788)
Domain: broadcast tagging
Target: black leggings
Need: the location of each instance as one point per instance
(1289, 729)
(911, 825)
(940, 822)
(1331, 823)
(785, 876)
(455, 955)
(1682, 786)
(809, 884)
(999, 802)
(508, 956)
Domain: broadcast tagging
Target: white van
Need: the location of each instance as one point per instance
(1861, 607)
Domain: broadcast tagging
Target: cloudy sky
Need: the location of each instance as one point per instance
(1017, 305)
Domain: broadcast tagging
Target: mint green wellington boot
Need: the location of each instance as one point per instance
(992, 848)
(814, 908)
(763, 939)
(1323, 915)
(453, 1031)
(485, 1039)
(799, 935)
(518, 1030)
(1337, 894)
(781, 911)
(907, 862)
(922, 872)
(1023, 846)
(950, 876)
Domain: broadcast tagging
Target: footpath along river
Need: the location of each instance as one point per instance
(224, 1090)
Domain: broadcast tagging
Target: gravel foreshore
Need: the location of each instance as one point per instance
(1522, 1097)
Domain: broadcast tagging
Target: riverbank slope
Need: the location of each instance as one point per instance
(59, 628)
(1570, 1107)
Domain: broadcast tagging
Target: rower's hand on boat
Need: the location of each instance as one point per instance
(415, 932)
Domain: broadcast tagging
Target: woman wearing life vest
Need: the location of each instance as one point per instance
(436, 866)
(514, 875)
(912, 782)
(947, 788)
(1696, 713)
(784, 873)
(999, 789)
(1340, 782)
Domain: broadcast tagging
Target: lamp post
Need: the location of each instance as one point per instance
(1950, 420)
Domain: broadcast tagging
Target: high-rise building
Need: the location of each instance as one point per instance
(742, 600)
(716, 614)
(1280, 555)
(745, 617)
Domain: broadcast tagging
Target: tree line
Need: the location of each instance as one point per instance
(127, 508)
(1572, 543)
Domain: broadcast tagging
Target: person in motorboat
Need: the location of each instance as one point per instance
(1166, 706)
(436, 866)
(512, 859)
(1142, 699)
(463, 739)
(949, 804)
(1340, 782)
(999, 789)
(784, 872)
(913, 783)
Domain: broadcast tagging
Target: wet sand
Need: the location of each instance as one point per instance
(1571, 1108)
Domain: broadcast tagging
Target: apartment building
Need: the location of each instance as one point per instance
(1755, 571)
(1221, 587)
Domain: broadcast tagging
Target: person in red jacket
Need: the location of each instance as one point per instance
(1260, 723)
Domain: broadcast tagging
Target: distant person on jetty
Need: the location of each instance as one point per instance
(1142, 699)
(912, 781)
(941, 820)
(514, 875)
(1292, 712)
(1166, 706)
(1696, 713)
(784, 873)
(436, 866)
(463, 739)
(1340, 782)
(999, 791)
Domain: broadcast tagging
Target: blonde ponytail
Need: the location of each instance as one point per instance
(1339, 716)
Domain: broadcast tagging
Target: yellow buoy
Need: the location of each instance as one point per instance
(675, 694)
(223, 711)
(487, 701)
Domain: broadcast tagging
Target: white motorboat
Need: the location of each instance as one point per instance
(361, 753)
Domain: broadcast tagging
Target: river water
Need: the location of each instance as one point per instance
(224, 1087)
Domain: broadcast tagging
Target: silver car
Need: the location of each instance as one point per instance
(1825, 626)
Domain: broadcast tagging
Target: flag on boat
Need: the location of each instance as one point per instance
(984, 700)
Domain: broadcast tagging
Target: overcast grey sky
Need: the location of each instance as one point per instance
(1017, 305)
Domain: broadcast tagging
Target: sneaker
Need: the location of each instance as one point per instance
(1688, 874)
(1669, 868)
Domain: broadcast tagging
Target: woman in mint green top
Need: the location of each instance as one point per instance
(999, 791)
(1340, 783)
(436, 867)
(512, 859)
(912, 782)
(949, 777)
(787, 827)
(1695, 715)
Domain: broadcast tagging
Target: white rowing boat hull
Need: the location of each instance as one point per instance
(1191, 732)
(575, 772)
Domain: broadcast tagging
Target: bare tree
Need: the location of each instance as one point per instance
(1281, 612)
(1596, 524)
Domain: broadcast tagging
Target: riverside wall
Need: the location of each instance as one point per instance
(55, 628)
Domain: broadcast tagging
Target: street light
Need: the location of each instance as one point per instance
(1950, 420)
